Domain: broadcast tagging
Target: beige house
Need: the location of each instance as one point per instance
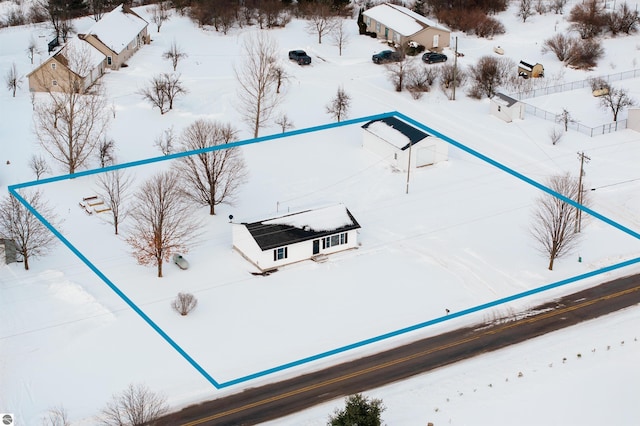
(77, 65)
(118, 35)
(400, 25)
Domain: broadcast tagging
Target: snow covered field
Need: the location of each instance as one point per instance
(458, 239)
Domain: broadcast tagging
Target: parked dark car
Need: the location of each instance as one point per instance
(386, 56)
(300, 56)
(433, 57)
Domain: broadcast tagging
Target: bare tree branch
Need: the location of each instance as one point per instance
(174, 54)
(113, 188)
(339, 106)
(17, 223)
(212, 177)
(163, 223)
(257, 97)
(13, 79)
(135, 406)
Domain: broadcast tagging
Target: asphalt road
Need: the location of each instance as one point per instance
(256, 405)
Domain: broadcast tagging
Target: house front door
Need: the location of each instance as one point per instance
(316, 246)
(386, 33)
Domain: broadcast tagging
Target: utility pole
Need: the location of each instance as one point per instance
(582, 157)
(455, 70)
(409, 166)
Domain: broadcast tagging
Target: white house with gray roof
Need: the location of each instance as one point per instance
(295, 237)
(403, 145)
(400, 25)
(506, 108)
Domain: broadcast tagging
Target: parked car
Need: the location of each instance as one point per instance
(180, 261)
(433, 57)
(386, 56)
(300, 56)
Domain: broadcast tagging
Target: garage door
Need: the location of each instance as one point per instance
(426, 156)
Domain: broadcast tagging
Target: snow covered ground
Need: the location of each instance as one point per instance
(457, 240)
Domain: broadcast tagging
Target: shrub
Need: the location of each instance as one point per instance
(560, 45)
(584, 54)
(489, 27)
(184, 303)
(588, 19)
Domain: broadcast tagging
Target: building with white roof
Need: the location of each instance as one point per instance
(403, 145)
(118, 35)
(400, 25)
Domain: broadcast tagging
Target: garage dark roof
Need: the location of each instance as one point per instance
(414, 134)
(271, 235)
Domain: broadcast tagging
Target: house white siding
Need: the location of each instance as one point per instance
(506, 108)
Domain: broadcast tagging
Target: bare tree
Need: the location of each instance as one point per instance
(135, 406)
(280, 75)
(32, 237)
(106, 154)
(39, 166)
(320, 20)
(340, 36)
(560, 45)
(32, 49)
(525, 9)
(420, 79)
(211, 177)
(489, 74)
(616, 100)
(565, 118)
(69, 123)
(284, 122)
(451, 77)
(173, 87)
(164, 142)
(56, 416)
(558, 6)
(257, 96)
(163, 222)
(184, 303)
(113, 188)
(339, 106)
(163, 90)
(554, 220)
(156, 93)
(174, 54)
(555, 134)
(160, 14)
(588, 18)
(398, 72)
(13, 79)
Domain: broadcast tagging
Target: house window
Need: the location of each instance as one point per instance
(53, 65)
(280, 253)
(367, 21)
(54, 82)
(109, 60)
(334, 240)
(396, 37)
(377, 27)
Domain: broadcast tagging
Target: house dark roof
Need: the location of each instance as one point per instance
(302, 226)
(414, 134)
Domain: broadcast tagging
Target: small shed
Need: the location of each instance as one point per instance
(8, 252)
(633, 119)
(403, 145)
(506, 108)
(527, 70)
(295, 237)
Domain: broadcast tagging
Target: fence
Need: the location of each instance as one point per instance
(574, 85)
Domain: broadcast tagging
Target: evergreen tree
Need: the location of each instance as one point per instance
(358, 410)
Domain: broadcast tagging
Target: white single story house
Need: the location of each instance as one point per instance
(506, 108)
(8, 252)
(294, 237)
(403, 145)
(400, 25)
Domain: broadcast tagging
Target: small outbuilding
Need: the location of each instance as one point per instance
(403, 145)
(507, 108)
(527, 70)
(8, 253)
(633, 119)
(295, 237)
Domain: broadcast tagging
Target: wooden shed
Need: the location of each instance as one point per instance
(527, 70)
(506, 108)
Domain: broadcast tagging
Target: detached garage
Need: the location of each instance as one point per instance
(400, 143)
(294, 237)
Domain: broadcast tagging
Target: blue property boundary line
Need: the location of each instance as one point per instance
(13, 189)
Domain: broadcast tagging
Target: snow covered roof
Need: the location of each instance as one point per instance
(396, 132)
(400, 19)
(503, 99)
(80, 56)
(118, 28)
(302, 226)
